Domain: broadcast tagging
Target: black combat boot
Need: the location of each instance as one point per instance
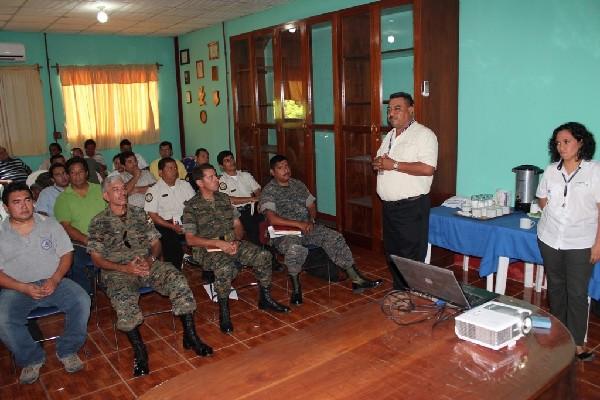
(191, 339)
(224, 320)
(359, 282)
(140, 356)
(266, 302)
(296, 297)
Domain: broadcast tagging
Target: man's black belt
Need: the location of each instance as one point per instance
(413, 198)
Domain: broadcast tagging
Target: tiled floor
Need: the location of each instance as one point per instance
(107, 372)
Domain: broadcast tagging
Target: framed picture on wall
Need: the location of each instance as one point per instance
(184, 56)
(186, 77)
(215, 73)
(213, 50)
(188, 97)
(199, 69)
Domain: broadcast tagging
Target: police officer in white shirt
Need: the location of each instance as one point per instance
(244, 192)
(164, 203)
(405, 163)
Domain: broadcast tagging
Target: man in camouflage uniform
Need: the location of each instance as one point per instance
(211, 222)
(287, 201)
(125, 245)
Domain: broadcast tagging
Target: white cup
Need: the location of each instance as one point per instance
(535, 208)
(476, 212)
(526, 223)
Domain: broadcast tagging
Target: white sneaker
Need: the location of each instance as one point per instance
(30, 373)
(72, 363)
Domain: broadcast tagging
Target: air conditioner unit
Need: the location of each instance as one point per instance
(12, 52)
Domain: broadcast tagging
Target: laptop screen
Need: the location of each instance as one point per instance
(434, 281)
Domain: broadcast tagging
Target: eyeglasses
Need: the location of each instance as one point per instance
(125, 241)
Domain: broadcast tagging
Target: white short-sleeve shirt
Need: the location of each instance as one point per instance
(167, 201)
(416, 144)
(570, 222)
(241, 185)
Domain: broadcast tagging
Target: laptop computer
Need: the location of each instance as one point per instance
(441, 284)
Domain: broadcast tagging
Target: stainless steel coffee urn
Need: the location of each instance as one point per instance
(526, 185)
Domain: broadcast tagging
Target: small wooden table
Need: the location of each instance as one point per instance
(364, 355)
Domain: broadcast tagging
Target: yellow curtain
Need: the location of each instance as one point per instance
(22, 121)
(109, 103)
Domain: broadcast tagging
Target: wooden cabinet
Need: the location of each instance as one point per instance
(315, 90)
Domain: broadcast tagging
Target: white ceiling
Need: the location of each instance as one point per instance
(125, 17)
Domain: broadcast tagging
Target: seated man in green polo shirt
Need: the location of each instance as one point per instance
(74, 209)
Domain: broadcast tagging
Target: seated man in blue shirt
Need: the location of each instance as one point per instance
(35, 254)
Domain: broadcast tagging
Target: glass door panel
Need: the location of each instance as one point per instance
(322, 73)
(397, 53)
(358, 184)
(292, 80)
(356, 70)
(265, 80)
(294, 151)
(325, 165)
(267, 138)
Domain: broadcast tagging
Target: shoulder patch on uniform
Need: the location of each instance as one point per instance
(222, 186)
(149, 197)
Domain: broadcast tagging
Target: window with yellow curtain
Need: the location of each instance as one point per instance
(109, 103)
(22, 122)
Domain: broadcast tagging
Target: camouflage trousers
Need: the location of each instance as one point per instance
(331, 241)
(122, 289)
(226, 267)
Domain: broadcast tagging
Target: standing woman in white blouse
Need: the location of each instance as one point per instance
(569, 194)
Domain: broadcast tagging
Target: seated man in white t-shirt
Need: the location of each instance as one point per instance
(137, 180)
(164, 203)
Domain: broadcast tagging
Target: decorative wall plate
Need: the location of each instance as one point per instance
(215, 97)
(203, 116)
(201, 96)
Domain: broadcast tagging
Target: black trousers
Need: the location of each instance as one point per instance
(405, 232)
(250, 223)
(568, 273)
(171, 243)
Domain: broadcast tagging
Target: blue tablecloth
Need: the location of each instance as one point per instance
(490, 239)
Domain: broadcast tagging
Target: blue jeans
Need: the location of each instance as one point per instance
(80, 273)
(16, 306)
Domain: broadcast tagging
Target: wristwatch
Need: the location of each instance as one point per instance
(395, 166)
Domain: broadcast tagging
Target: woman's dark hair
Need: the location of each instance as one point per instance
(581, 134)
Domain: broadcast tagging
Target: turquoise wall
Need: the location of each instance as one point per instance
(103, 49)
(525, 68)
(214, 135)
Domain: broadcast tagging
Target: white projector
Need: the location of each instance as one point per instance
(494, 325)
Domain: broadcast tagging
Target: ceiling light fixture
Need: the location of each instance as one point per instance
(101, 16)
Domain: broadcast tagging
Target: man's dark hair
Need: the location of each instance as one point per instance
(76, 160)
(89, 141)
(125, 142)
(198, 171)
(15, 187)
(276, 159)
(166, 143)
(163, 161)
(118, 155)
(200, 150)
(55, 157)
(221, 156)
(125, 155)
(54, 166)
(581, 134)
(51, 145)
(403, 95)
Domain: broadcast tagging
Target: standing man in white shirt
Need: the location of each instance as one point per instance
(164, 203)
(406, 162)
(244, 192)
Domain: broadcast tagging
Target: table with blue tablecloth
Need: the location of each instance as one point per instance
(495, 241)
